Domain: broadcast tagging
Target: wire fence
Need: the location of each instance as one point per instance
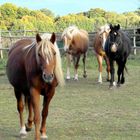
(7, 38)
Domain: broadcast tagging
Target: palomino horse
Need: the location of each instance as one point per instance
(98, 44)
(117, 48)
(75, 43)
(34, 69)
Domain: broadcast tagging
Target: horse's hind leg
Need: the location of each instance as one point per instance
(20, 108)
(99, 59)
(120, 73)
(30, 116)
(84, 64)
(108, 68)
(76, 64)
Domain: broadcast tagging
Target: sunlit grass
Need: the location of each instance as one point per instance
(84, 109)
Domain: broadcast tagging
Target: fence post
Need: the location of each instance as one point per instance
(134, 42)
(1, 52)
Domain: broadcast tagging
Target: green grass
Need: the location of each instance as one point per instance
(82, 110)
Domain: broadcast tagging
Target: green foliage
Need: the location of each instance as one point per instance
(47, 12)
(79, 20)
(133, 19)
(22, 12)
(18, 18)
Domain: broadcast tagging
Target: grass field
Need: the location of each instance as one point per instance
(82, 110)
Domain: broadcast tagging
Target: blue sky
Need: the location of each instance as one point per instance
(63, 7)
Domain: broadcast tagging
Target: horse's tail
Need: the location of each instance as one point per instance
(126, 70)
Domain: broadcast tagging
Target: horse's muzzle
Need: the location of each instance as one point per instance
(114, 47)
(48, 78)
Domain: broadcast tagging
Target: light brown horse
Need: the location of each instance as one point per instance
(98, 44)
(75, 44)
(34, 69)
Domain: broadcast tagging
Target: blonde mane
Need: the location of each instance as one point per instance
(48, 52)
(70, 31)
(104, 28)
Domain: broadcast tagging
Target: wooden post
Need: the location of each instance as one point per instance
(1, 52)
(134, 42)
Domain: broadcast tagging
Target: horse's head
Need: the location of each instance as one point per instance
(67, 36)
(114, 37)
(103, 34)
(45, 54)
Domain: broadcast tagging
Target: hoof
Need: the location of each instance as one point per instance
(75, 79)
(44, 137)
(108, 80)
(84, 75)
(100, 82)
(112, 85)
(68, 78)
(28, 128)
(118, 85)
(122, 80)
(23, 132)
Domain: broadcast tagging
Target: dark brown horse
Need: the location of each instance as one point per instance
(117, 48)
(75, 44)
(98, 44)
(34, 69)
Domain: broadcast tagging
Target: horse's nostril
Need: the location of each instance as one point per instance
(51, 76)
(47, 77)
(44, 75)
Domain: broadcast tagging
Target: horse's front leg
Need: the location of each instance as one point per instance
(76, 65)
(20, 108)
(68, 57)
(46, 102)
(112, 71)
(99, 59)
(84, 64)
(35, 98)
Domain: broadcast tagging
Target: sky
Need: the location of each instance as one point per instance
(64, 7)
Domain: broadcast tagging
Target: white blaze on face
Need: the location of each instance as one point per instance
(113, 48)
(66, 45)
(104, 40)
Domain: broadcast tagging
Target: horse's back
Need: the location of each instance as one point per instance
(15, 65)
(126, 43)
(81, 41)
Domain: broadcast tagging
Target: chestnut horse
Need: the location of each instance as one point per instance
(98, 44)
(34, 69)
(75, 44)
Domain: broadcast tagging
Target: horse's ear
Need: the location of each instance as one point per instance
(38, 38)
(111, 27)
(118, 27)
(53, 38)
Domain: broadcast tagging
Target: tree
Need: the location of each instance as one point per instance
(79, 20)
(22, 12)
(47, 12)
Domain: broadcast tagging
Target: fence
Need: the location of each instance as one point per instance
(7, 38)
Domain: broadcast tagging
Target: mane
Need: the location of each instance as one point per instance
(104, 28)
(48, 51)
(71, 29)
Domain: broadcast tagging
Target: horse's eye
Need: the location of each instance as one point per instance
(54, 53)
